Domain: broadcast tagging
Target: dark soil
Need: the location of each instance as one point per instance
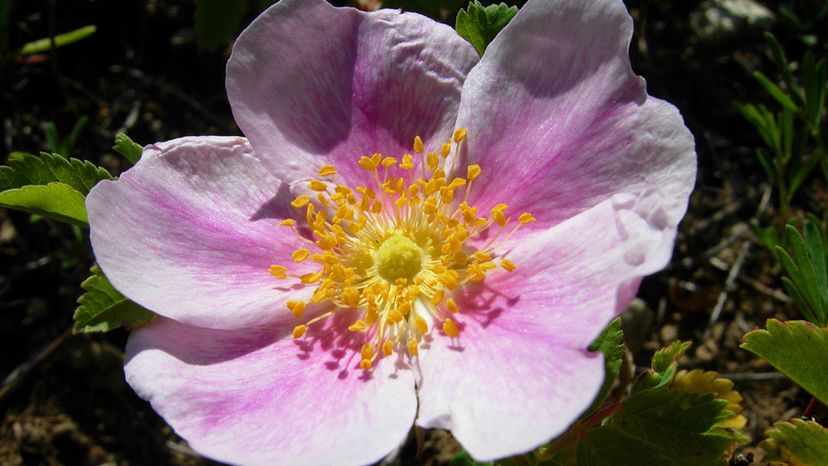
(142, 73)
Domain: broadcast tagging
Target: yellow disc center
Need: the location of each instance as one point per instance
(398, 257)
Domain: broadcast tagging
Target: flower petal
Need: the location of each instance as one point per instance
(310, 84)
(560, 121)
(191, 230)
(503, 391)
(525, 333)
(257, 397)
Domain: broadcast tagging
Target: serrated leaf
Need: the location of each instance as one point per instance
(609, 342)
(796, 443)
(661, 426)
(128, 148)
(26, 169)
(55, 200)
(479, 25)
(45, 44)
(216, 22)
(102, 308)
(664, 364)
(797, 349)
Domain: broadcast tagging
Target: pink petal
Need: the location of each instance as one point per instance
(503, 391)
(557, 118)
(258, 397)
(191, 230)
(520, 360)
(310, 84)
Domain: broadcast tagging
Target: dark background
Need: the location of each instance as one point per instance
(142, 73)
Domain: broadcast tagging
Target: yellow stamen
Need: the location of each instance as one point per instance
(278, 271)
(300, 254)
(300, 201)
(394, 252)
(508, 265)
(451, 305)
(459, 134)
(450, 328)
(327, 170)
(418, 145)
(526, 217)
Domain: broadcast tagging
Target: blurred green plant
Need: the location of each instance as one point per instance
(63, 145)
(794, 136)
(61, 40)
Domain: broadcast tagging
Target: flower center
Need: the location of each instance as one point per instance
(398, 250)
(398, 257)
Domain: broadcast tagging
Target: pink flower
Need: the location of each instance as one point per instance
(356, 338)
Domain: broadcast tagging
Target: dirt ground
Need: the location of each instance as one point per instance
(142, 73)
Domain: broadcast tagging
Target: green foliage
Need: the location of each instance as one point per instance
(798, 349)
(464, 459)
(793, 136)
(102, 308)
(661, 426)
(796, 443)
(49, 185)
(217, 21)
(807, 276)
(63, 146)
(128, 148)
(664, 366)
(659, 423)
(479, 25)
(61, 40)
(611, 343)
(58, 201)
(26, 169)
(811, 17)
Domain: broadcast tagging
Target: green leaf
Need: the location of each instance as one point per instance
(26, 169)
(462, 458)
(128, 148)
(55, 200)
(216, 22)
(806, 280)
(479, 25)
(784, 67)
(102, 308)
(813, 75)
(665, 362)
(796, 443)
(775, 91)
(661, 426)
(609, 342)
(45, 44)
(796, 348)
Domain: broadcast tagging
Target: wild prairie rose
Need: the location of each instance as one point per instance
(408, 235)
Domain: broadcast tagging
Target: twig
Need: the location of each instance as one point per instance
(731, 277)
(19, 374)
